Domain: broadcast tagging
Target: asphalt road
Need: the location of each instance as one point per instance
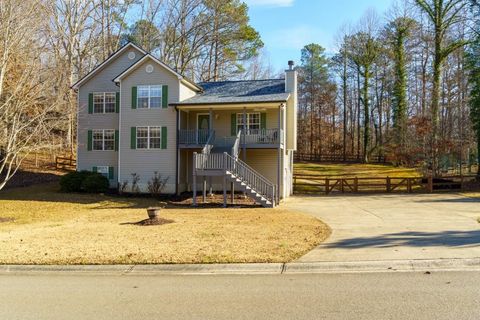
(442, 295)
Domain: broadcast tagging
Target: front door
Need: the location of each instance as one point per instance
(203, 127)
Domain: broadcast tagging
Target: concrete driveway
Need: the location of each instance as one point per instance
(394, 227)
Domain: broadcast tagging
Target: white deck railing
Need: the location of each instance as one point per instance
(238, 168)
(250, 137)
(194, 137)
(263, 136)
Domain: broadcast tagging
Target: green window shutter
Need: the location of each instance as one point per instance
(116, 139)
(134, 97)
(94, 169)
(110, 173)
(234, 124)
(263, 121)
(117, 102)
(133, 136)
(89, 140)
(90, 103)
(164, 138)
(164, 96)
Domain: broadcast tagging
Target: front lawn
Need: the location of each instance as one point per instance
(39, 225)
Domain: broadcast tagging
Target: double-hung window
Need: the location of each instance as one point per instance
(252, 123)
(104, 102)
(103, 170)
(103, 140)
(148, 137)
(149, 97)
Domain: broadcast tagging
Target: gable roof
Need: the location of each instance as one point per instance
(231, 92)
(149, 56)
(77, 84)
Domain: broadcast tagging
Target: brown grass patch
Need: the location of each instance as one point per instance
(355, 170)
(58, 228)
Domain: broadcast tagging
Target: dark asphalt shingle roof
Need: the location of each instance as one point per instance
(225, 92)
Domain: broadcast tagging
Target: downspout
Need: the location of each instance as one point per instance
(244, 134)
(278, 153)
(177, 169)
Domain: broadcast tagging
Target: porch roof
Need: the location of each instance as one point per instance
(238, 92)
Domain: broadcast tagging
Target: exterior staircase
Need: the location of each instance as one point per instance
(213, 162)
(255, 186)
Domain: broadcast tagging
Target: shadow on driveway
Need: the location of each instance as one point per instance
(412, 239)
(452, 200)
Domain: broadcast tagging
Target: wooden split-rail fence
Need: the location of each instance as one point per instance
(316, 184)
(66, 163)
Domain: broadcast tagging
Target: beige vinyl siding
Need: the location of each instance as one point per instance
(100, 82)
(146, 162)
(185, 92)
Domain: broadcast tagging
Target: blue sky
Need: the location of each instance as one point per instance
(287, 25)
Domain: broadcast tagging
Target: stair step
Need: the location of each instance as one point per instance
(249, 190)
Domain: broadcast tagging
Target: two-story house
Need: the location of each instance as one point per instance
(138, 116)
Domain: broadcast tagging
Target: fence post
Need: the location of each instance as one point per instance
(342, 185)
(409, 185)
(461, 182)
(327, 186)
(294, 183)
(430, 184)
(355, 184)
(389, 187)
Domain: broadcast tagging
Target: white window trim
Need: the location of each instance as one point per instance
(149, 95)
(103, 139)
(148, 138)
(248, 123)
(107, 171)
(104, 102)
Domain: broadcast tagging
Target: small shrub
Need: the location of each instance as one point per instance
(73, 181)
(122, 187)
(135, 180)
(95, 183)
(156, 184)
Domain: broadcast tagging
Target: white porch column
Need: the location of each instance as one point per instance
(194, 184)
(177, 186)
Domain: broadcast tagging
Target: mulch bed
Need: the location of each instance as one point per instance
(214, 201)
(151, 222)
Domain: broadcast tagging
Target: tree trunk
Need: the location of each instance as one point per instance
(366, 120)
(345, 108)
(437, 69)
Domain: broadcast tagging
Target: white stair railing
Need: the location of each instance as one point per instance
(250, 177)
(236, 146)
(238, 169)
(209, 144)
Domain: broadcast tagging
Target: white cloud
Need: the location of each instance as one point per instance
(270, 3)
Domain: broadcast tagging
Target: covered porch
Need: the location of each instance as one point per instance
(252, 133)
(258, 126)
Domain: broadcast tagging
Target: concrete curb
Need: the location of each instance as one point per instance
(254, 268)
(385, 266)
